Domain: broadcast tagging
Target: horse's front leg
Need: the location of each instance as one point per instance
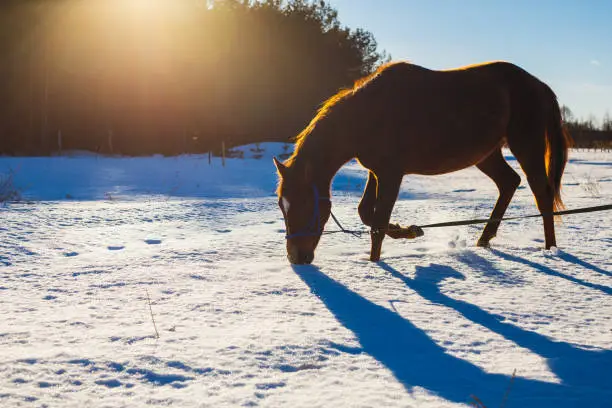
(366, 212)
(388, 189)
(368, 201)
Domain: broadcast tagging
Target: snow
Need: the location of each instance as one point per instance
(437, 321)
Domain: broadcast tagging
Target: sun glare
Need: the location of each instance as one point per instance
(151, 7)
(116, 39)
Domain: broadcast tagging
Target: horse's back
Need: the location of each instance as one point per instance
(402, 75)
(423, 114)
(531, 100)
(407, 84)
(427, 101)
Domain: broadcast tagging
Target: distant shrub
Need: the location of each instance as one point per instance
(8, 191)
(286, 153)
(591, 187)
(257, 148)
(234, 154)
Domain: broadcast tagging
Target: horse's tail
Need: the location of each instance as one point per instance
(558, 141)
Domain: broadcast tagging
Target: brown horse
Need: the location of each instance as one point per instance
(406, 119)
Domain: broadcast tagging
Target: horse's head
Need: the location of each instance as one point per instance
(305, 210)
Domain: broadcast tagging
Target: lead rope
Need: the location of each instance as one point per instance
(484, 221)
(358, 233)
(355, 233)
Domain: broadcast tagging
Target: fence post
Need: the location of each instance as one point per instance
(110, 140)
(223, 153)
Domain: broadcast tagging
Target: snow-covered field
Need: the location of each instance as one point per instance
(437, 321)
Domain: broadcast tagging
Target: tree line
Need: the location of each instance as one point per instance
(587, 133)
(169, 76)
(178, 76)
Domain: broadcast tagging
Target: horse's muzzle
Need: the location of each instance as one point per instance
(300, 258)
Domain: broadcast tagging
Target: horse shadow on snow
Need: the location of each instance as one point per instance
(417, 361)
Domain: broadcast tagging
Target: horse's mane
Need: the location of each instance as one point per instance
(331, 102)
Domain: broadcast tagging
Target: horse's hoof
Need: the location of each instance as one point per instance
(375, 255)
(415, 231)
(483, 243)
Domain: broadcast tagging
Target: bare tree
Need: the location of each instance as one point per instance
(606, 124)
(566, 114)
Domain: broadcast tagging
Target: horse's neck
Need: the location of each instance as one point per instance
(323, 155)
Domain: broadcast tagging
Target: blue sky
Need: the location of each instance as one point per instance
(566, 43)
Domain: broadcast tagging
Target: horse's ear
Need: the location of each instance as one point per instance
(282, 169)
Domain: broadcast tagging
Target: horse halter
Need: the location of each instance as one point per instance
(313, 229)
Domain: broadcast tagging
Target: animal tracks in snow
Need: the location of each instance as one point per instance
(115, 247)
(436, 321)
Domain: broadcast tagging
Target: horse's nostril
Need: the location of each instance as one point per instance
(296, 260)
(293, 255)
(308, 258)
(300, 259)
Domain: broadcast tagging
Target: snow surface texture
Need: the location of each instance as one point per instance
(438, 320)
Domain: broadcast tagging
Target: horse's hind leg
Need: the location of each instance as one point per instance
(507, 181)
(532, 160)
